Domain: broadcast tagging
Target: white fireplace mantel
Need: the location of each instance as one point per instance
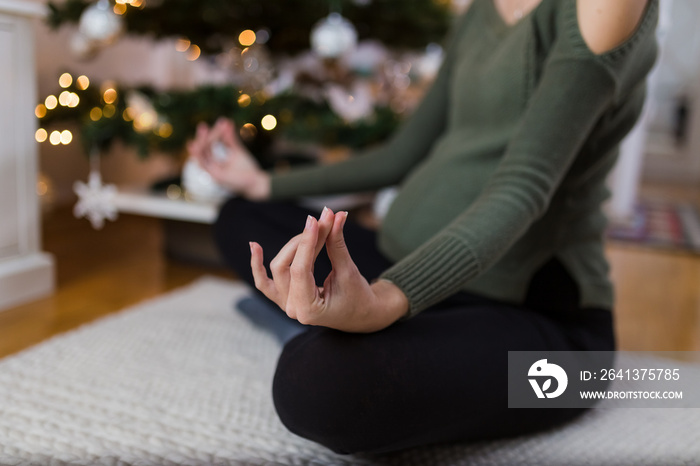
(26, 272)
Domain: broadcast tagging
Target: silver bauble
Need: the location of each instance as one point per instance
(99, 23)
(333, 36)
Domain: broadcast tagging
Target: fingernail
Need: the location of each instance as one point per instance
(309, 220)
(325, 212)
(251, 246)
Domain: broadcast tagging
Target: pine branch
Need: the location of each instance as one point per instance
(214, 25)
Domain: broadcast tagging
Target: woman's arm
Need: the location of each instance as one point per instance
(576, 87)
(573, 93)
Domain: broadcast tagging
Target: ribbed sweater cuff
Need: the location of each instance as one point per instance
(433, 272)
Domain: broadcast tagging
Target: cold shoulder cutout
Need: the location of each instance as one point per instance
(606, 24)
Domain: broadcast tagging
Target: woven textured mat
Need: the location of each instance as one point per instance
(184, 380)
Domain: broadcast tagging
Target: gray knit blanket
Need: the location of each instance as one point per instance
(184, 380)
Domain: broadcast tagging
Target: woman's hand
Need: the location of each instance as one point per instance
(239, 171)
(346, 301)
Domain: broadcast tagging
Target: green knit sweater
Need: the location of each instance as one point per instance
(503, 165)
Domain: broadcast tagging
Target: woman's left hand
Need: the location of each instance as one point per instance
(346, 301)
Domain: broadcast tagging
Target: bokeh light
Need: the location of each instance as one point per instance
(181, 45)
(269, 122)
(248, 131)
(244, 100)
(193, 52)
(64, 98)
(95, 113)
(66, 137)
(65, 80)
(110, 95)
(109, 110)
(41, 135)
(73, 100)
(173, 192)
(83, 82)
(55, 138)
(42, 188)
(51, 102)
(262, 36)
(40, 111)
(165, 130)
(246, 38)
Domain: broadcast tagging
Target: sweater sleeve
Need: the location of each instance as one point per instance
(388, 163)
(575, 88)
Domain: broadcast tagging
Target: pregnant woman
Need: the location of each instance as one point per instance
(493, 244)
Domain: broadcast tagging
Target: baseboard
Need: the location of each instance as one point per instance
(26, 278)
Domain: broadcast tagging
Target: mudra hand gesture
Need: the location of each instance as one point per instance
(346, 301)
(239, 172)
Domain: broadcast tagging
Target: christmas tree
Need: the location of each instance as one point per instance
(333, 72)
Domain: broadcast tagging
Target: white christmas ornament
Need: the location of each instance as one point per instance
(95, 200)
(100, 24)
(333, 36)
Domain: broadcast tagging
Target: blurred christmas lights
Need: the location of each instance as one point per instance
(268, 122)
(51, 102)
(83, 82)
(244, 100)
(41, 135)
(247, 38)
(193, 52)
(181, 45)
(95, 113)
(40, 111)
(65, 80)
(109, 96)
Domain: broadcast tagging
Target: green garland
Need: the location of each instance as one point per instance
(214, 25)
(298, 119)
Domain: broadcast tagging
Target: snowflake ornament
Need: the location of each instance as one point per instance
(95, 200)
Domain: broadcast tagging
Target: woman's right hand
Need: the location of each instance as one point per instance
(239, 172)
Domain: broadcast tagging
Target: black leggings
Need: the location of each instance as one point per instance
(438, 377)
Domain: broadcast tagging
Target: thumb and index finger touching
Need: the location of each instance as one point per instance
(224, 131)
(330, 234)
(328, 231)
(335, 243)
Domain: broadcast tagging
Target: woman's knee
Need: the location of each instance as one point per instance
(316, 393)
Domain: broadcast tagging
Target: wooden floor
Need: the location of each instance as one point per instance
(99, 272)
